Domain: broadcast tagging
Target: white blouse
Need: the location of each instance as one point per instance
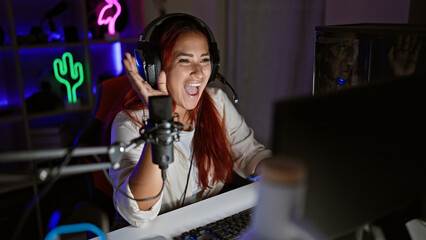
(246, 152)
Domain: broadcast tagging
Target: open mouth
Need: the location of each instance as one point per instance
(192, 88)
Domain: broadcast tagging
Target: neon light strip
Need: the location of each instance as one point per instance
(110, 21)
(76, 72)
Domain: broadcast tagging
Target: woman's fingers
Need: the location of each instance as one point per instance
(142, 87)
(162, 82)
(130, 64)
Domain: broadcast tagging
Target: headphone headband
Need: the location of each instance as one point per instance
(146, 35)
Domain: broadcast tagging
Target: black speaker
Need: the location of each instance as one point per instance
(148, 59)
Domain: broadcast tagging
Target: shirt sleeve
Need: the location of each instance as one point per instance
(123, 130)
(247, 151)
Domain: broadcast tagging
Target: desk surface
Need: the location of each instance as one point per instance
(198, 214)
(172, 223)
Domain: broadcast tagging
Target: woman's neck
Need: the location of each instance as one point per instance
(184, 117)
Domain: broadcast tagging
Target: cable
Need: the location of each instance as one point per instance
(115, 187)
(192, 156)
(143, 131)
(41, 194)
(223, 80)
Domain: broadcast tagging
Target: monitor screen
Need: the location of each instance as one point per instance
(349, 55)
(363, 148)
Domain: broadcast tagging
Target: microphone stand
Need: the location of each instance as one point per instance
(163, 133)
(114, 152)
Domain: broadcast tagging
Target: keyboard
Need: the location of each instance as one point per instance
(173, 223)
(224, 229)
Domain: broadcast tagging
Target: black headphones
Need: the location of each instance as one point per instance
(148, 59)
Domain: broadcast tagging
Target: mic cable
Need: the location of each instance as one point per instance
(222, 79)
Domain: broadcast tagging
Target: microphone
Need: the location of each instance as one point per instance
(222, 79)
(56, 10)
(162, 130)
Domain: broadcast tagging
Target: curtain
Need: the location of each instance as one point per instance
(270, 55)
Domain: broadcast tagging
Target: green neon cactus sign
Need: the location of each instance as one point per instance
(60, 69)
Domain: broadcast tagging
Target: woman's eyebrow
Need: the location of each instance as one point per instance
(184, 55)
(190, 55)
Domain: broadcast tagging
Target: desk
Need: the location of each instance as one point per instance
(197, 214)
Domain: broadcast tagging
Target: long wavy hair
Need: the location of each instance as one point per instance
(212, 151)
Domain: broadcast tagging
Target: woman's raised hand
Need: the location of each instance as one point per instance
(403, 55)
(142, 87)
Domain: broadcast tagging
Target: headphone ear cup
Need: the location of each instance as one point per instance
(215, 70)
(214, 61)
(157, 64)
(148, 63)
(140, 62)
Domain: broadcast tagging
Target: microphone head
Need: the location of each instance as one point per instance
(160, 123)
(160, 109)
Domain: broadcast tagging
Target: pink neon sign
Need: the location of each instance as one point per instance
(109, 20)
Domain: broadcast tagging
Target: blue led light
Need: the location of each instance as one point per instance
(73, 228)
(116, 56)
(55, 36)
(4, 102)
(341, 81)
(3, 99)
(254, 177)
(110, 55)
(54, 220)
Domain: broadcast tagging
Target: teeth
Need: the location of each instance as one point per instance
(194, 84)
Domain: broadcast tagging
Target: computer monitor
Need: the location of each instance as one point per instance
(364, 150)
(355, 54)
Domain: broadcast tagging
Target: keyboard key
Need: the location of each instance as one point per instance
(228, 228)
(206, 236)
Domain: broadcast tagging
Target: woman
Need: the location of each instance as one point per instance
(223, 141)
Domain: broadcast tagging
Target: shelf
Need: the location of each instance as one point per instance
(74, 44)
(51, 45)
(31, 94)
(122, 40)
(11, 118)
(65, 44)
(130, 40)
(59, 112)
(27, 61)
(6, 47)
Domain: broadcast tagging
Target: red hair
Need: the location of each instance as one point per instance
(212, 150)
